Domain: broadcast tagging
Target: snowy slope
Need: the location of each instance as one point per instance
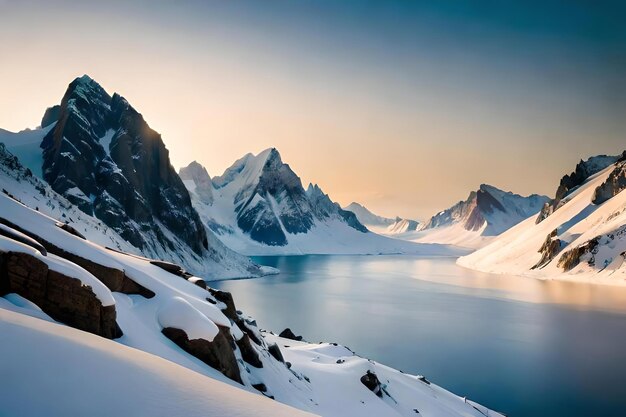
(259, 207)
(83, 374)
(579, 240)
(36, 194)
(472, 223)
(321, 378)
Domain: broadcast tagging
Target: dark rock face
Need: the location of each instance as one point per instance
(227, 298)
(248, 352)
(171, 268)
(288, 334)
(63, 298)
(218, 354)
(571, 258)
(255, 214)
(549, 249)
(274, 350)
(324, 208)
(103, 157)
(370, 380)
(614, 184)
(584, 170)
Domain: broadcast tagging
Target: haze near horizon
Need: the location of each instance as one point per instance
(403, 107)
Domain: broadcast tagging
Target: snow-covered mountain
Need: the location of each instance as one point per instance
(582, 236)
(259, 207)
(153, 339)
(401, 225)
(487, 212)
(380, 224)
(373, 221)
(98, 155)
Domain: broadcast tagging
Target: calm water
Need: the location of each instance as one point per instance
(521, 346)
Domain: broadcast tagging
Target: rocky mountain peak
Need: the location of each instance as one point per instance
(102, 156)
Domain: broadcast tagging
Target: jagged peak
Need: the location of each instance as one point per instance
(196, 172)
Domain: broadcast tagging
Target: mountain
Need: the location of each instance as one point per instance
(196, 177)
(400, 226)
(580, 236)
(485, 213)
(380, 224)
(369, 219)
(260, 207)
(154, 339)
(582, 172)
(98, 153)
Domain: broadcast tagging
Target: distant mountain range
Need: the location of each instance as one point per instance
(580, 234)
(380, 224)
(259, 206)
(485, 213)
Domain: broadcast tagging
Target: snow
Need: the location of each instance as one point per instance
(36, 194)
(19, 304)
(180, 314)
(105, 140)
(82, 374)
(145, 373)
(372, 221)
(25, 145)
(61, 266)
(330, 236)
(577, 221)
(457, 224)
(339, 392)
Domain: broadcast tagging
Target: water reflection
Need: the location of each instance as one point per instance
(523, 346)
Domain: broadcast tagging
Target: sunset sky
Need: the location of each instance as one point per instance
(402, 106)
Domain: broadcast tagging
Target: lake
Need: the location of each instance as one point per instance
(517, 345)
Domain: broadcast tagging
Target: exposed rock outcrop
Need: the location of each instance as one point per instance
(583, 170)
(549, 249)
(614, 184)
(370, 380)
(248, 352)
(115, 279)
(218, 354)
(63, 298)
(288, 334)
(572, 257)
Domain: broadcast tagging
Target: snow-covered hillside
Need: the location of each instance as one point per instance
(474, 222)
(83, 374)
(259, 207)
(35, 193)
(581, 236)
(181, 347)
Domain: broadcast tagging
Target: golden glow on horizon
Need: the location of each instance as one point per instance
(408, 148)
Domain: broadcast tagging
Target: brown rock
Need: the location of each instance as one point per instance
(218, 354)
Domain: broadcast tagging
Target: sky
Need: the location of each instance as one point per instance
(403, 106)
